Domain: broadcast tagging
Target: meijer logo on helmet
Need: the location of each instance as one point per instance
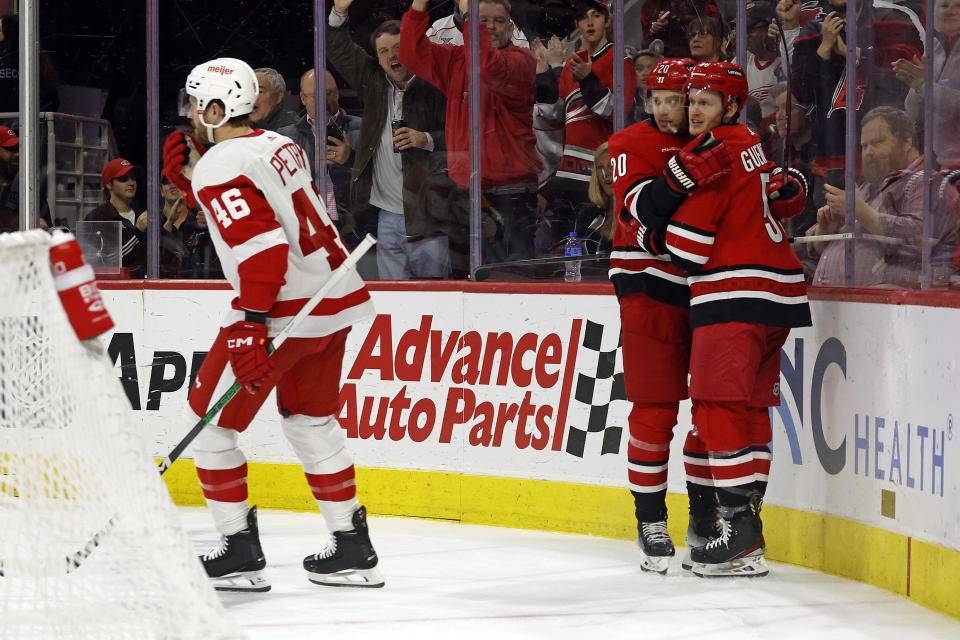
(224, 71)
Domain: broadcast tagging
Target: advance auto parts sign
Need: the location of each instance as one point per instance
(488, 384)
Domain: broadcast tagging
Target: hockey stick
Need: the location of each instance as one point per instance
(482, 272)
(71, 561)
(335, 277)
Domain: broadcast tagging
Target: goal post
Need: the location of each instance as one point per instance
(90, 542)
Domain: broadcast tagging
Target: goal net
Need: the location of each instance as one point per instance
(90, 541)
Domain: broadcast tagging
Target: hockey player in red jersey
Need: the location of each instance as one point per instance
(654, 305)
(746, 292)
(277, 246)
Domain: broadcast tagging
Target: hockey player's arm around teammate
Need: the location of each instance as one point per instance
(647, 192)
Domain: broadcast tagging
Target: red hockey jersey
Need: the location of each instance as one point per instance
(740, 263)
(638, 155)
(588, 111)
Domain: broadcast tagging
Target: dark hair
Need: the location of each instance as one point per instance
(581, 7)
(708, 25)
(391, 27)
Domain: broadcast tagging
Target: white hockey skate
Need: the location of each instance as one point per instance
(656, 547)
(348, 559)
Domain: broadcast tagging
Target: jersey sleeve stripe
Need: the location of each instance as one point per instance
(258, 243)
(686, 255)
(741, 294)
(698, 236)
(748, 273)
(327, 306)
(632, 196)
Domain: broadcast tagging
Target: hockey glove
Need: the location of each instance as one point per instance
(650, 239)
(786, 193)
(247, 349)
(180, 154)
(702, 161)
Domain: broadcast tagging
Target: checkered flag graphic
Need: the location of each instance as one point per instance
(597, 391)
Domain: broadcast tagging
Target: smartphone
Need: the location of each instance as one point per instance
(395, 125)
(333, 131)
(836, 178)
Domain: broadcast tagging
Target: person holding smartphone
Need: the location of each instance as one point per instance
(399, 151)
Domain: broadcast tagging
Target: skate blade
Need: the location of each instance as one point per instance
(686, 563)
(753, 566)
(655, 564)
(242, 581)
(364, 578)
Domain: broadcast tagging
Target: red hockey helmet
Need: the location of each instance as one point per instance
(670, 74)
(726, 78)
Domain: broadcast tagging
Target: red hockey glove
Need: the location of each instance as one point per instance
(702, 161)
(247, 348)
(648, 238)
(180, 154)
(786, 193)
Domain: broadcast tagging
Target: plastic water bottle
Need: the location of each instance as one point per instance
(572, 248)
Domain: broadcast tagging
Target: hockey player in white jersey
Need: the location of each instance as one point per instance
(277, 247)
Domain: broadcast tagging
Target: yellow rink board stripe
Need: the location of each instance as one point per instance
(925, 573)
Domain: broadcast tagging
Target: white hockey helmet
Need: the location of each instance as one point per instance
(229, 80)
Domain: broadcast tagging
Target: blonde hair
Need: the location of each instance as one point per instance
(600, 198)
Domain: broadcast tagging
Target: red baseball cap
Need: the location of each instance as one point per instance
(8, 138)
(116, 168)
(599, 4)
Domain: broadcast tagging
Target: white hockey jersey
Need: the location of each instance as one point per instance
(276, 244)
(446, 31)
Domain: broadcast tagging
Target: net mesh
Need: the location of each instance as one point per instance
(90, 541)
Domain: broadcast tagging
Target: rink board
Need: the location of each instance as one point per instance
(503, 404)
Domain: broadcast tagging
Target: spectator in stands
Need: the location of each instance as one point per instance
(268, 111)
(10, 185)
(449, 30)
(792, 17)
(797, 153)
(946, 76)
(706, 39)
(643, 63)
(354, 219)
(186, 250)
(509, 161)
(889, 212)
(819, 72)
(120, 178)
(764, 67)
(668, 20)
(400, 150)
(583, 101)
(546, 127)
(600, 228)
(338, 148)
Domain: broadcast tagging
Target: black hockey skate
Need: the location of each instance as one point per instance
(655, 546)
(348, 560)
(736, 551)
(237, 563)
(704, 522)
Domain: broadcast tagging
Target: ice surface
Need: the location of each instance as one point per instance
(463, 581)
